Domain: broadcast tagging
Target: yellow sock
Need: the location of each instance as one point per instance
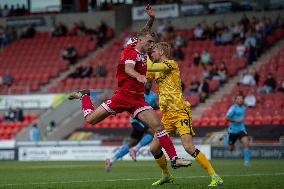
(162, 162)
(203, 162)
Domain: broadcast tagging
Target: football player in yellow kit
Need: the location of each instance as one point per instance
(176, 112)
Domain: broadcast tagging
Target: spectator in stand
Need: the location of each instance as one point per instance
(77, 73)
(101, 70)
(240, 50)
(8, 79)
(29, 32)
(281, 88)
(179, 41)
(74, 29)
(193, 88)
(255, 75)
(198, 32)
(34, 133)
(161, 29)
(82, 27)
(70, 53)
(59, 30)
(223, 71)
(203, 89)
(12, 11)
(196, 59)
(250, 100)
(9, 115)
(214, 74)
(169, 27)
(206, 57)
(269, 85)
(226, 36)
(87, 71)
(217, 39)
(205, 72)
(5, 11)
(19, 115)
(177, 53)
(248, 79)
(250, 44)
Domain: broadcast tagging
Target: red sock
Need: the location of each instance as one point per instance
(167, 144)
(87, 105)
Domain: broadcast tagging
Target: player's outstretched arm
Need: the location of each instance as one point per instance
(150, 12)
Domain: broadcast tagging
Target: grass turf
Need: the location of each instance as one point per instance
(266, 174)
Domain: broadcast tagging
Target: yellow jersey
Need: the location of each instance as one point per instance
(167, 77)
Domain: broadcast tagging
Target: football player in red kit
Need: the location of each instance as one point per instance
(129, 96)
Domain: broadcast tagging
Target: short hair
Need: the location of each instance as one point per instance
(145, 32)
(164, 47)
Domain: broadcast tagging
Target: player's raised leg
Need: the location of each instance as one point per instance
(91, 114)
(151, 118)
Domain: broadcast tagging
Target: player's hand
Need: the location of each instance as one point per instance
(150, 11)
(142, 79)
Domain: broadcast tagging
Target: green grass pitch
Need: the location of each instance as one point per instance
(266, 174)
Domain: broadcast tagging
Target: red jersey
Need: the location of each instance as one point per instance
(131, 56)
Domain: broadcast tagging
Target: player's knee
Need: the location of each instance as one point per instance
(157, 126)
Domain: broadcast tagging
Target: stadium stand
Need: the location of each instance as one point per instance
(38, 60)
(9, 129)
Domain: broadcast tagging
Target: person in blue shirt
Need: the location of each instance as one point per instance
(140, 135)
(237, 130)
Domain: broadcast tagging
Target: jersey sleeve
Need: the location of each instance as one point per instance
(129, 57)
(161, 67)
(230, 112)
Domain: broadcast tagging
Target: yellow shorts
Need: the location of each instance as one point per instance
(180, 121)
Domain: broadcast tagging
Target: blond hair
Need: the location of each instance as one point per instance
(164, 47)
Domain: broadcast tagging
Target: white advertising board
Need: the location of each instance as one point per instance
(91, 153)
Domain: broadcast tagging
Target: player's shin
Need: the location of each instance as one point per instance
(120, 153)
(246, 156)
(204, 162)
(167, 144)
(162, 162)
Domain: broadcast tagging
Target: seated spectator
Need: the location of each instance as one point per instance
(214, 74)
(74, 29)
(217, 39)
(59, 30)
(5, 11)
(205, 73)
(178, 53)
(247, 79)
(206, 57)
(223, 71)
(250, 100)
(77, 73)
(29, 32)
(101, 70)
(203, 90)
(196, 59)
(193, 88)
(10, 115)
(226, 36)
(198, 32)
(81, 27)
(70, 53)
(161, 29)
(87, 71)
(240, 50)
(19, 115)
(179, 41)
(7, 79)
(169, 27)
(281, 88)
(269, 85)
(255, 75)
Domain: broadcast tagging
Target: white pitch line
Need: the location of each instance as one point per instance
(138, 179)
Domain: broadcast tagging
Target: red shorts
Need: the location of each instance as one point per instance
(123, 100)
